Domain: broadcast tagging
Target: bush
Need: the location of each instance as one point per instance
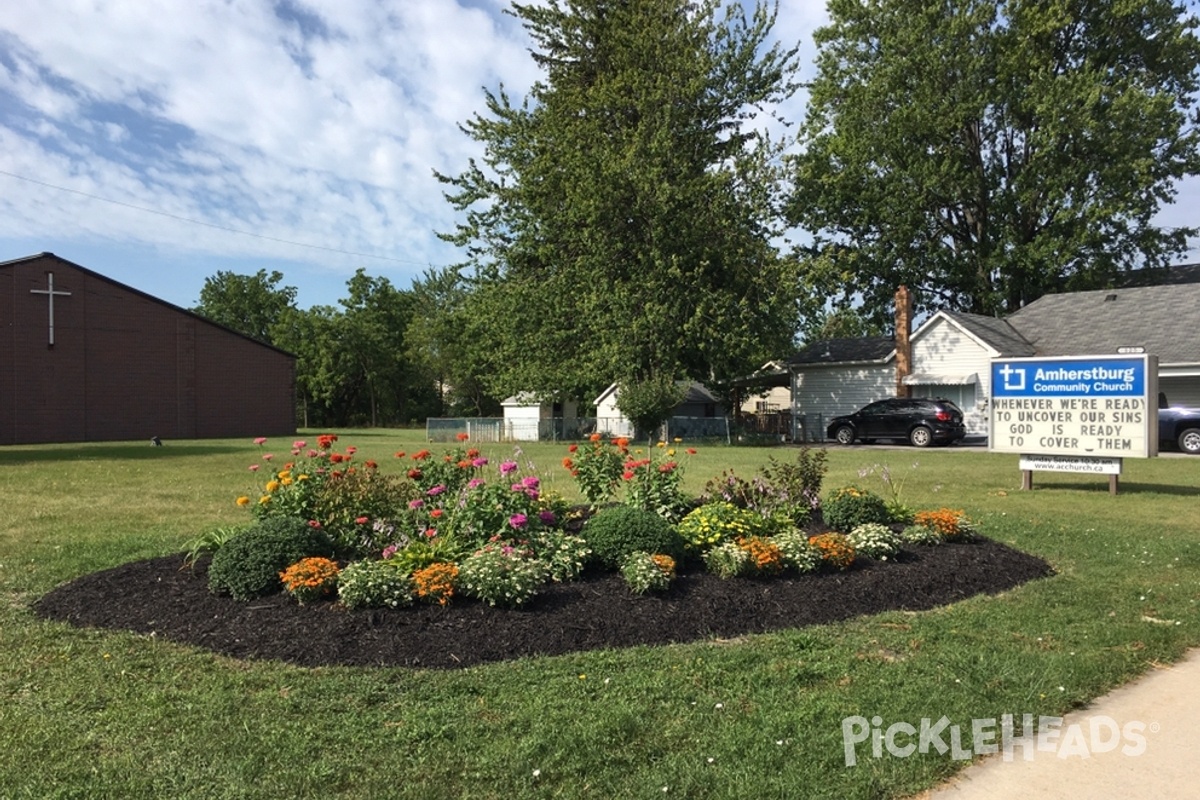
(851, 506)
(645, 572)
(436, 583)
(374, 584)
(348, 504)
(615, 532)
(836, 551)
(875, 541)
(310, 579)
(797, 552)
(501, 574)
(563, 554)
(948, 522)
(248, 565)
(921, 534)
(714, 523)
(727, 560)
(765, 556)
(781, 490)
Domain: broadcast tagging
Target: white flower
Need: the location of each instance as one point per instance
(537, 772)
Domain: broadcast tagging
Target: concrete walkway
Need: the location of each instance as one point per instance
(1150, 729)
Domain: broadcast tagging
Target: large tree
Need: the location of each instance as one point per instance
(985, 152)
(249, 304)
(621, 218)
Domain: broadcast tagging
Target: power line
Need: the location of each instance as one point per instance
(209, 224)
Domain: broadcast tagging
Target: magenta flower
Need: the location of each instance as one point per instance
(415, 503)
(518, 521)
(479, 462)
(507, 467)
(547, 517)
(474, 482)
(530, 482)
(390, 551)
(436, 490)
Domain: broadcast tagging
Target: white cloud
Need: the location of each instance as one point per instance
(317, 121)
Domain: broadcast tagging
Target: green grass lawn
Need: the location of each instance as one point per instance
(102, 714)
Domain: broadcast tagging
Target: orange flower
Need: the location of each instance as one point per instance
(568, 463)
(462, 437)
(595, 437)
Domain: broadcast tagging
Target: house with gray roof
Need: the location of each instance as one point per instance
(951, 352)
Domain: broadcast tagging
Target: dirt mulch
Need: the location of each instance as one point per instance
(158, 597)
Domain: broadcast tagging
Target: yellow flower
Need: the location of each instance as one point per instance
(302, 477)
(287, 473)
(286, 481)
(266, 498)
(243, 501)
(272, 485)
(661, 444)
(671, 452)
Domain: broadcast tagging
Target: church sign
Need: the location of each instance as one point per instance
(1091, 408)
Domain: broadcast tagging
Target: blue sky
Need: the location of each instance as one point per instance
(315, 122)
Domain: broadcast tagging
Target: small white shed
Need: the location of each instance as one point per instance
(528, 419)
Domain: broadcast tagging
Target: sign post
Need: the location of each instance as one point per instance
(1079, 414)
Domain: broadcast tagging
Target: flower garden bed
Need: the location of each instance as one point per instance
(492, 570)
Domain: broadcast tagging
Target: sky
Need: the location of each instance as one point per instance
(159, 142)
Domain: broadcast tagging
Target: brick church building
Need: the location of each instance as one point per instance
(84, 358)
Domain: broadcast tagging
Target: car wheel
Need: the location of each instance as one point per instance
(1189, 441)
(844, 435)
(921, 436)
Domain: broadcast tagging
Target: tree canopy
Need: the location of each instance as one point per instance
(249, 304)
(620, 222)
(985, 152)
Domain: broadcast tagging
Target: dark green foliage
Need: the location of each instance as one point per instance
(248, 565)
(350, 496)
(851, 506)
(613, 533)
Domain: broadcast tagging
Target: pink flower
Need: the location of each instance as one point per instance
(479, 462)
(415, 503)
(351, 450)
(430, 533)
(312, 523)
(295, 451)
(390, 551)
(436, 490)
(260, 441)
(267, 456)
(300, 444)
(254, 467)
(507, 467)
(547, 517)
(518, 521)
(474, 482)
(362, 520)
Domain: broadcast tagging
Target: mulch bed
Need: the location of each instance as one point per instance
(160, 598)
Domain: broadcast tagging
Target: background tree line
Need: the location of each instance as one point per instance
(629, 219)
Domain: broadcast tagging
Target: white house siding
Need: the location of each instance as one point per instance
(521, 422)
(777, 398)
(944, 349)
(823, 392)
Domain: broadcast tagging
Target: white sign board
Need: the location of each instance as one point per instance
(1097, 466)
(1095, 406)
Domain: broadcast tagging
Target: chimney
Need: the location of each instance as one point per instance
(903, 344)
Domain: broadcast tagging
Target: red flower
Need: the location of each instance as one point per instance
(472, 453)
(667, 467)
(462, 437)
(437, 512)
(691, 451)
(372, 465)
(566, 462)
(351, 450)
(420, 455)
(573, 448)
(415, 474)
(400, 454)
(464, 464)
(362, 520)
(312, 523)
(337, 458)
(628, 475)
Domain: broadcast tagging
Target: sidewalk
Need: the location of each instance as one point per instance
(1166, 701)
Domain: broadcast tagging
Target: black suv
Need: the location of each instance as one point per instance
(921, 422)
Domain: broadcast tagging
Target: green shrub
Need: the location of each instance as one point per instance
(922, 534)
(713, 523)
(501, 574)
(248, 565)
(875, 541)
(727, 560)
(615, 532)
(798, 553)
(850, 506)
(374, 584)
(646, 572)
(563, 554)
(348, 504)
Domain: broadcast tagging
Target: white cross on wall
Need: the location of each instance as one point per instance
(50, 292)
